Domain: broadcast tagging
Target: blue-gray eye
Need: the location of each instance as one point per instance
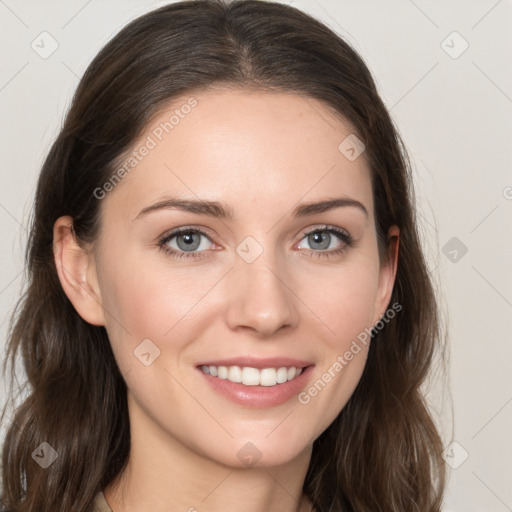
(186, 240)
(321, 239)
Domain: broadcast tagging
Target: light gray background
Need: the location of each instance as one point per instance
(455, 115)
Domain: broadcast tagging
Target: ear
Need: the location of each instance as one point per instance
(77, 272)
(387, 273)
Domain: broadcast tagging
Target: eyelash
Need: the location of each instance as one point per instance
(342, 234)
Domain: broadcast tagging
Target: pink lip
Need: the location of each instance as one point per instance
(259, 396)
(259, 363)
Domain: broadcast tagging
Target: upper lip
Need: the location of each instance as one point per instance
(259, 363)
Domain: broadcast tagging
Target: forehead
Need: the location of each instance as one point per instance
(252, 150)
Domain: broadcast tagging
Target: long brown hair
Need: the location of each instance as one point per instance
(383, 451)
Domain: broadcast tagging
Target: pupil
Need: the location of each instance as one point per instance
(186, 241)
(321, 238)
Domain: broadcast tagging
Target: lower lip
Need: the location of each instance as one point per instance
(259, 396)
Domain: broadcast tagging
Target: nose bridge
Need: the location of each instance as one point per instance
(260, 296)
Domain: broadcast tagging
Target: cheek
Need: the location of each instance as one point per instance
(345, 305)
(342, 300)
(149, 301)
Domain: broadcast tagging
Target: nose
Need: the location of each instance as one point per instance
(261, 297)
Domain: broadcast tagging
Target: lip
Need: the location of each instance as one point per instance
(259, 396)
(257, 362)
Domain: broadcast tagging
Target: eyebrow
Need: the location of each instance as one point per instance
(223, 211)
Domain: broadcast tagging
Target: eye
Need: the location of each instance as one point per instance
(325, 241)
(183, 242)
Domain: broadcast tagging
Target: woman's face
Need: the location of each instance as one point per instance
(270, 285)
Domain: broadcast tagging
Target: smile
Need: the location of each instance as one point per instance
(253, 376)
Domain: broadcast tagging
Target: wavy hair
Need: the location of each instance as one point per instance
(383, 451)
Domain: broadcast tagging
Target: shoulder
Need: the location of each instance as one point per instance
(100, 503)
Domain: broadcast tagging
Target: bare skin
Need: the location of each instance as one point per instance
(262, 155)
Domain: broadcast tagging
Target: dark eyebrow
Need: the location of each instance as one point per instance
(222, 211)
(322, 206)
(199, 206)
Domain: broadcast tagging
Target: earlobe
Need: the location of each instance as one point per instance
(77, 272)
(388, 272)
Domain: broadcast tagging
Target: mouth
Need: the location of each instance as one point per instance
(249, 376)
(255, 382)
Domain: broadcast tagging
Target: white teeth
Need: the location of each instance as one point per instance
(235, 374)
(282, 375)
(268, 377)
(252, 376)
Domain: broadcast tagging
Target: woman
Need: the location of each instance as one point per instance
(227, 299)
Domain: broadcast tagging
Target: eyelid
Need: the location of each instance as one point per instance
(208, 233)
(187, 229)
(345, 237)
(324, 227)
